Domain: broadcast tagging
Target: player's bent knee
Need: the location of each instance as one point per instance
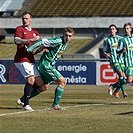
(129, 80)
(63, 82)
(44, 87)
(30, 80)
(39, 81)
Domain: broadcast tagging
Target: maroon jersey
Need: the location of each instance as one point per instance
(22, 55)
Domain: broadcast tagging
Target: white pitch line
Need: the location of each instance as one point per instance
(83, 105)
(38, 110)
(22, 112)
(67, 107)
(121, 102)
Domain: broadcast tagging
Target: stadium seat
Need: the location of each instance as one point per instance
(80, 8)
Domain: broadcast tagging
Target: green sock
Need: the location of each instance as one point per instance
(58, 95)
(119, 83)
(117, 90)
(38, 91)
(122, 80)
(116, 85)
(123, 88)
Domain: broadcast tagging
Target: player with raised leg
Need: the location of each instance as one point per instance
(46, 65)
(116, 61)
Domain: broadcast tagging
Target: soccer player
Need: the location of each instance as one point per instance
(116, 61)
(25, 36)
(46, 64)
(126, 48)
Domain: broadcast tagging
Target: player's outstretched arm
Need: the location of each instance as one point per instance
(42, 48)
(34, 46)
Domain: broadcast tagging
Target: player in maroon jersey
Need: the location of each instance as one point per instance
(25, 36)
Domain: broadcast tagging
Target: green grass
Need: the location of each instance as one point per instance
(8, 48)
(75, 45)
(89, 110)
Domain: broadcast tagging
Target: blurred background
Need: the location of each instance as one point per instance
(89, 18)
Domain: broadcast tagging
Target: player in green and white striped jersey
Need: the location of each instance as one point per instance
(46, 64)
(116, 61)
(126, 48)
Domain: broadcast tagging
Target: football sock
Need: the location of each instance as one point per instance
(122, 80)
(115, 85)
(22, 98)
(35, 93)
(58, 95)
(27, 92)
(123, 88)
(117, 89)
(35, 88)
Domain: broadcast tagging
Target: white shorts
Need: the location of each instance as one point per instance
(28, 69)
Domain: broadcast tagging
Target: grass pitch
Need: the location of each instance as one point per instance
(89, 110)
(8, 48)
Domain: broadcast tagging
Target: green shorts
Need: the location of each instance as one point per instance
(123, 68)
(116, 67)
(129, 71)
(49, 73)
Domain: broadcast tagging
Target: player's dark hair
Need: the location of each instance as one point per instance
(69, 29)
(26, 12)
(113, 26)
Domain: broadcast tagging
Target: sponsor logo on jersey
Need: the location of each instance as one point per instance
(34, 35)
(131, 46)
(115, 45)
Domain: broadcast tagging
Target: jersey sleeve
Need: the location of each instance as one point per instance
(18, 33)
(105, 46)
(52, 42)
(36, 33)
(47, 42)
(120, 46)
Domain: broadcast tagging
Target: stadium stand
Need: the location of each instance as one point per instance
(70, 8)
(24, 7)
(8, 7)
(81, 8)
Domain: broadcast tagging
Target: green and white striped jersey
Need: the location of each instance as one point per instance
(110, 46)
(127, 42)
(56, 47)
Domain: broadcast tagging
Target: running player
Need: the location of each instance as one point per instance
(116, 61)
(46, 64)
(126, 48)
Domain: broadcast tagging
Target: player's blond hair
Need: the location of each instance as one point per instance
(69, 29)
(126, 24)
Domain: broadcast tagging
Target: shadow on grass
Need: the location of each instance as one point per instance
(125, 113)
(9, 108)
